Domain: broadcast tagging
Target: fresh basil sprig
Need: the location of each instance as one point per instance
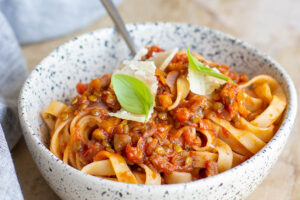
(199, 67)
(132, 94)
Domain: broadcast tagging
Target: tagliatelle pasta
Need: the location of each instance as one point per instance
(186, 137)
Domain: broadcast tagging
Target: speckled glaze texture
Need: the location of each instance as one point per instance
(99, 52)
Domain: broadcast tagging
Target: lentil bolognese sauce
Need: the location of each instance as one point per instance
(175, 117)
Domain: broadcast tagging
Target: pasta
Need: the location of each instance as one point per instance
(187, 135)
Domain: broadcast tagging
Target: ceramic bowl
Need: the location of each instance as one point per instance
(93, 54)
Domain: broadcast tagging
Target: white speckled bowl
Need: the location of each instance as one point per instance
(95, 53)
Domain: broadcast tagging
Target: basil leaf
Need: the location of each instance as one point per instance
(199, 67)
(132, 94)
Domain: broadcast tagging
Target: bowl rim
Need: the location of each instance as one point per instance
(286, 124)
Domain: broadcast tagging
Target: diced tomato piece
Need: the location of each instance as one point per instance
(82, 87)
(183, 115)
(243, 78)
(165, 100)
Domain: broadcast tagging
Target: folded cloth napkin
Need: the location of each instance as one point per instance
(26, 22)
(13, 71)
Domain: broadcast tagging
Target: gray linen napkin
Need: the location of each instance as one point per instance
(13, 71)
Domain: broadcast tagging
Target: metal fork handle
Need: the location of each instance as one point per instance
(115, 16)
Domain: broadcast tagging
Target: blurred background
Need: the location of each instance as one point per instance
(273, 26)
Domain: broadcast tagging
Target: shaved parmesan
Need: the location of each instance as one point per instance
(140, 54)
(123, 114)
(144, 71)
(203, 84)
(163, 59)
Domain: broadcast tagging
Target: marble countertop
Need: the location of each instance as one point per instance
(271, 25)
